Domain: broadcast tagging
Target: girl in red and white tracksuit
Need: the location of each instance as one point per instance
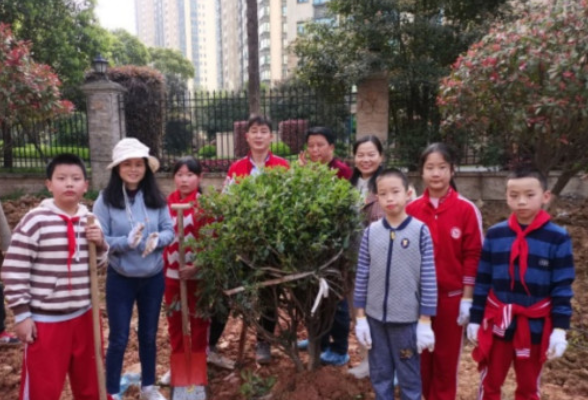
(456, 228)
(187, 173)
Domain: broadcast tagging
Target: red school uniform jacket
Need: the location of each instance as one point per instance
(244, 166)
(194, 220)
(456, 229)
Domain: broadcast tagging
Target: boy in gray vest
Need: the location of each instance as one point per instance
(395, 292)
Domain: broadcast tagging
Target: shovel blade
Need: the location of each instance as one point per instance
(186, 372)
(189, 393)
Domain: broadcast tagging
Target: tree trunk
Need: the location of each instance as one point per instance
(253, 50)
(314, 353)
(7, 147)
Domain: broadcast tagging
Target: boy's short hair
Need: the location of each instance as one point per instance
(65, 159)
(259, 120)
(393, 172)
(528, 172)
(323, 131)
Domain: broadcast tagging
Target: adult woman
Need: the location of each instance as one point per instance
(137, 226)
(368, 154)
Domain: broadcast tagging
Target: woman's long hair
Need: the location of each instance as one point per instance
(113, 195)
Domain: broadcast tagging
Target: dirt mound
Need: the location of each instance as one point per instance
(563, 379)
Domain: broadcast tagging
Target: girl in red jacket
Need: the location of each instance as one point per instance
(187, 174)
(456, 227)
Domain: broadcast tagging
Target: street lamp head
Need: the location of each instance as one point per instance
(99, 65)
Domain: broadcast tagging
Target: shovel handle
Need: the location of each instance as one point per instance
(96, 315)
(183, 289)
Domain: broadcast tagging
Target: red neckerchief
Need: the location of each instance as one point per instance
(71, 243)
(176, 197)
(520, 247)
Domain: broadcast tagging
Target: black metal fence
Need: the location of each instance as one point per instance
(27, 147)
(209, 125)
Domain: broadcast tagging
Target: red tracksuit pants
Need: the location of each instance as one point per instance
(439, 368)
(527, 372)
(61, 349)
(198, 326)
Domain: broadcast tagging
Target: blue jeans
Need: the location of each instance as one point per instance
(394, 352)
(339, 332)
(121, 295)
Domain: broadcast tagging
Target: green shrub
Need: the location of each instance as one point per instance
(30, 151)
(178, 136)
(282, 223)
(208, 151)
(280, 148)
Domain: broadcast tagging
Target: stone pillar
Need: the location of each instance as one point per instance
(372, 107)
(106, 126)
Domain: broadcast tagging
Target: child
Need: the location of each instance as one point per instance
(456, 228)
(259, 137)
(395, 287)
(137, 226)
(522, 297)
(187, 173)
(46, 273)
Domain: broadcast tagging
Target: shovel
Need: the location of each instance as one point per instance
(96, 316)
(188, 369)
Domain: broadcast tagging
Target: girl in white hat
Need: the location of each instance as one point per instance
(137, 226)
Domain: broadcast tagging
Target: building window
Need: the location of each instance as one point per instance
(300, 27)
(302, 1)
(316, 2)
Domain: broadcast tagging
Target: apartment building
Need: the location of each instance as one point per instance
(190, 26)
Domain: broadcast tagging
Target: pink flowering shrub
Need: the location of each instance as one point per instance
(27, 90)
(522, 91)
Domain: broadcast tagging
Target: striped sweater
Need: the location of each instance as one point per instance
(193, 222)
(550, 274)
(396, 279)
(39, 281)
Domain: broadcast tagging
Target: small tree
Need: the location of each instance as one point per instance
(29, 92)
(282, 234)
(522, 91)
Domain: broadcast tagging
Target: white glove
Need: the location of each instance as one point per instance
(464, 312)
(425, 337)
(151, 244)
(473, 333)
(362, 331)
(557, 344)
(135, 235)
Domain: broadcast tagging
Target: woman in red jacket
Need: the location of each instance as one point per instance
(456, 227)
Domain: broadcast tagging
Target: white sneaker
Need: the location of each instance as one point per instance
(362, 370)
(216, 359)
(151, 393)
(165, 380)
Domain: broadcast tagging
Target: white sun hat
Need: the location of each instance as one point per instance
(129, 148)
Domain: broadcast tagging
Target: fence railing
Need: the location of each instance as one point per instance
(206, 124)
(28, 146)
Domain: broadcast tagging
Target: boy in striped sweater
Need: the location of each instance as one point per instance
(523, 291)
(47, 285)
(395, 292)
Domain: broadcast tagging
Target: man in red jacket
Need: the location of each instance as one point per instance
(259, 137)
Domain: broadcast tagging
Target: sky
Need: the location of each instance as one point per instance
(114, 14)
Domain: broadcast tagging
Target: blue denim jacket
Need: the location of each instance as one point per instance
(116, 225)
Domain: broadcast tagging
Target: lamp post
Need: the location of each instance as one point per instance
(99, 65)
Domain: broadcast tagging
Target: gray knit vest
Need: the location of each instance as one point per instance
(393, 293)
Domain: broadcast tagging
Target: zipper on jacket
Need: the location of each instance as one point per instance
(388, 268)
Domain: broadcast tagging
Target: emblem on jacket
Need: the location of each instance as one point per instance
(404, 243)
(455, 232)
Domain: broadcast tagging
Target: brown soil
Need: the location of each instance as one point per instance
(564, 379)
